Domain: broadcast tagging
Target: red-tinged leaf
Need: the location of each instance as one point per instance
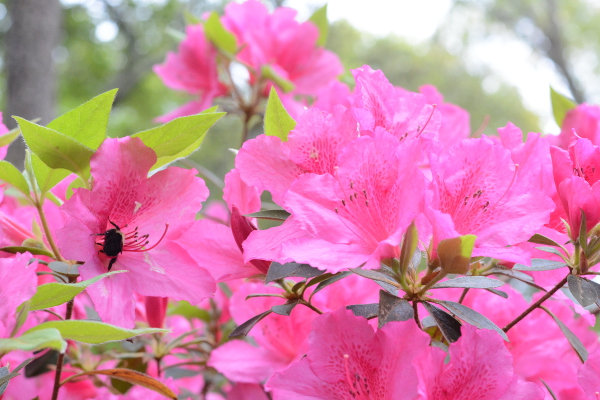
(455, 254)
(130, 376)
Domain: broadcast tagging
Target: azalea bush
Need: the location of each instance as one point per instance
(368, 245)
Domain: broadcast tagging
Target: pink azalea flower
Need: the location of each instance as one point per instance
(346, 359)
(278, 40)
(455, 123)
(585, 120)
(359, 214)
(576, 175)
(539, 349)
(217, 247)
(480, 368)
(194, 70)
(377, 103)
(18, 283)
(589, 376)
(150, 213)
(478, 189)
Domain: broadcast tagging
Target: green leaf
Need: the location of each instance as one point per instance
(5, 376)
(573, 340)
(45, 176)
(54, 294)
(275, 215)
(42, 338)
(472, 282)
(247, 326)
(185, 309)
(549, 389)
(285, 309)
(70, 270)
(472, 317)
(277, 120)
(369, 311)
(447, 324)
(178, 138)
(191, 19)
(218, 35)
(319, 18)
(292, 269)
(539, 264)
(409, 245)
(22, 249)
(87, 123)
(75, 184)
(284, 84)
(93, 332)
(560, 105)
(586, 292)
(374, 275)
(326, 282)
(455, 254)
(55, 149)
(393, 308)
(11, 175)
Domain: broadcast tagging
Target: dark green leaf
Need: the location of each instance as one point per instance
(471, 316)
(550, 250)
(87, 123)
(472, 282)
(560, 106)
(275, 215)
(374, 275)
(539, 264)
(449, 326)
(247, 326)
(285, 309)
(4, 373)
(42, 364)
(319, 18)
(498, 293)
(277, 120)
(218, 35)
(549, 389)
(516, 275)
(393, 308)
(369, 311)
(278, 271)
(583, 239)
(573, 340)
(585, 291)
(71, 270)
(329, 281)
(541, 239)
(22, 249)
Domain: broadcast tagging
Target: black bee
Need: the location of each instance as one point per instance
(113, 243)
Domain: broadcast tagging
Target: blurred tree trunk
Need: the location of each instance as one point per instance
(31, 79)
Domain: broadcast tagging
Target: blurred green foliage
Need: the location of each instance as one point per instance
(115, 43)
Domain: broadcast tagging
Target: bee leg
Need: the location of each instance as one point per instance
(112, 261)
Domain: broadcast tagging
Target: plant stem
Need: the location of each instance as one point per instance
(416, 312)
(307, 304)
(536, 304)
(463, 295)
(47, 232)
(61, 356)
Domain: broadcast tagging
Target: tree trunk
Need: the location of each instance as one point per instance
(31, 79)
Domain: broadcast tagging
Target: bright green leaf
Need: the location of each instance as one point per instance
(35, 340)
(319, 18)
(409, 245)
(277, 120)
(11, 175)
(54, 294)
(560, 106)
(218, 35)
(190, 19)
(455, 254)
(55, 149)
(189, 311)
(178, 138)
(36, 251)
(269, 73)
(76, 184)
(93, 332)
(45, 176)
(87, 123)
